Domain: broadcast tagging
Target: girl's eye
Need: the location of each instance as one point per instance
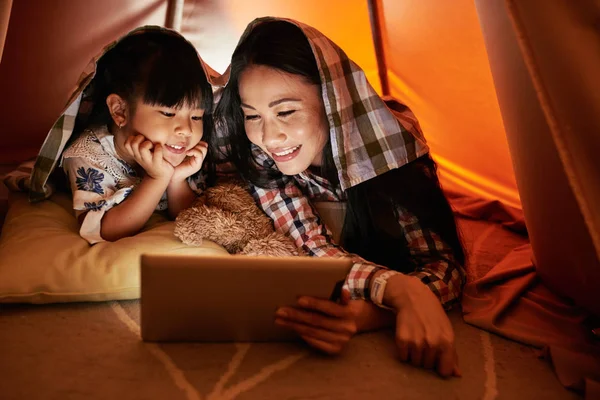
(197, 118)
(285, 113)
(167, 114)
(251, 117)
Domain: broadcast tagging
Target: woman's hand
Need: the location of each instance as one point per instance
(192, 163)
(323, 324)
(149, 156)
(424, 335)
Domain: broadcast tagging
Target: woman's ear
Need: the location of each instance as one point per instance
(118, 108)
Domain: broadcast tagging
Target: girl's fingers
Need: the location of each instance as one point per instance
(157, 156)
(127, 146)
(145, 149)
(200, 150)
(136, 141)
(196, 155)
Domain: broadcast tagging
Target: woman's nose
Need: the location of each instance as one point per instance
(272, 135)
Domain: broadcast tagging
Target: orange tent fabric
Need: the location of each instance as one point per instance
(506, 92)
(436, 57)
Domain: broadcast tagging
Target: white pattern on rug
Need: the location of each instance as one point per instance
(219, 392)
(491, 387)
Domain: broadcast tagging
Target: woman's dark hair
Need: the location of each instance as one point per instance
(370, 227)
(276, 44)
(158, 67)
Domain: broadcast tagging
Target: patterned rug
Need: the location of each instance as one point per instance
(94, 351)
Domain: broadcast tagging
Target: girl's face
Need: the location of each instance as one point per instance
(176, 129)
(284, 116)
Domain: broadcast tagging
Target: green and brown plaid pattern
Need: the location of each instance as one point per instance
(57, 138)
(367, 138)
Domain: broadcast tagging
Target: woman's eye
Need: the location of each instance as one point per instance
(167, 114)
(285, 113)
(251, 117)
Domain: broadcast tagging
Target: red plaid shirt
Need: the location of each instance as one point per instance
(289, 206)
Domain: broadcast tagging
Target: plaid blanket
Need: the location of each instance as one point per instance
(35, 179)
(367, 138)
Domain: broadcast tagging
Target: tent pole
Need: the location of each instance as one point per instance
(5, 7)
(375, 19)
(174, 14)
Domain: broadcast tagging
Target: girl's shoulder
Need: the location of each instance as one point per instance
(89, 144)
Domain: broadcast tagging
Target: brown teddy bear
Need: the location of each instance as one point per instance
(227, 215)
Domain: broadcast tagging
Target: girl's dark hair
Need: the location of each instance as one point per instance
(158, 67)
(370, 228)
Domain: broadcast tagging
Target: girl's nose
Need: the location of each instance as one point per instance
(184, 127)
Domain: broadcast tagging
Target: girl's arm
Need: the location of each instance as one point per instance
(179, 194)
(105, 212)
(128, 217)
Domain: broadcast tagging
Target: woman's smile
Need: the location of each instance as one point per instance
(285, 154)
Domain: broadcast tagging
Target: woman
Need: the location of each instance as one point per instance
(302, 124)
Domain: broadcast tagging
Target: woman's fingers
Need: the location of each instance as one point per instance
(326, 347)
(429, 357)
(447, 361)
(437, 351)
(457, 372)
(345, 326)
(323, 324)
(314, 332)
(403, 350)
(326, 307)
(416, 354)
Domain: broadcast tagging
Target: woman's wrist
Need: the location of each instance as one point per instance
(398, 289)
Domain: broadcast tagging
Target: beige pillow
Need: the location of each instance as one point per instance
(44, 260)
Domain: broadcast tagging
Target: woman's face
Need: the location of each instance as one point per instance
(284, 116)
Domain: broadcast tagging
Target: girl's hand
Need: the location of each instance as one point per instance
(192, 163)
(424, 335)
(323, 324)
(149, 156)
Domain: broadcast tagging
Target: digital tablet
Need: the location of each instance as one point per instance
(229, 298)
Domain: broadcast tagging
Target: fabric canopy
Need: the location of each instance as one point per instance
(507, 93)
(437, 65)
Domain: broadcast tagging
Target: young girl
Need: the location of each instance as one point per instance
(139, 149)
(303, 125)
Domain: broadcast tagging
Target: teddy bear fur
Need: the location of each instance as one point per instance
(227, 215)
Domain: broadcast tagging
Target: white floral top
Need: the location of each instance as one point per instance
(100, 180)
